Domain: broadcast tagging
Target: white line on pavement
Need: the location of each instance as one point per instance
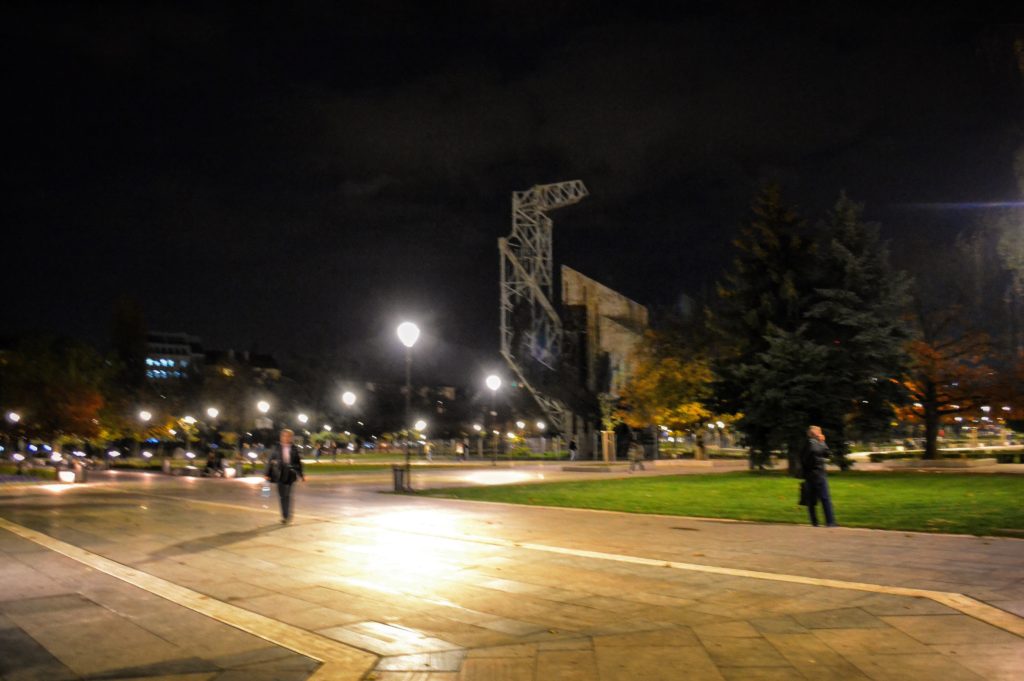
(340, 662)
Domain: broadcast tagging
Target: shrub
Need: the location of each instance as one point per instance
(38, 472)
(1002, 456)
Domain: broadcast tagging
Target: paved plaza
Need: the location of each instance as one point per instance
(153, 577)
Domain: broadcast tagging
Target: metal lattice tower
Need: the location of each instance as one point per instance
(527, 276)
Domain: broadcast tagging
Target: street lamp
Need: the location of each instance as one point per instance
(494, 383)
(145, 417)
(13, 418)
(303, 419)
(480, 439)
(348, 398)
(263, 424)
(419, 427)
(211, 427)
(408, 334)
(188, 421)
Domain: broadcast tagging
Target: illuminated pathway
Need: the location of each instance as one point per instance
(195, 579)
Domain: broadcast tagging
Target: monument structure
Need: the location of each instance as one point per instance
(570, 354)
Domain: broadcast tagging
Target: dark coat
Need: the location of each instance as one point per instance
(813, 459)
(275, 466)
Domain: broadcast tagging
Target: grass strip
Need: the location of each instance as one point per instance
(979, 504)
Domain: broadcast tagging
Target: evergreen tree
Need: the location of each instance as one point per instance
(815, 329)
(855, 311)
(761, 292)
(785, 387)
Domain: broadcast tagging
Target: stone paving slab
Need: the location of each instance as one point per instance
(64, 621)
(443, 590)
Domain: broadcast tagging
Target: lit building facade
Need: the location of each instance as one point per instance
(172, 356)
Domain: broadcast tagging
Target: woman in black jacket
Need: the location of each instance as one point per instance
(813, 460)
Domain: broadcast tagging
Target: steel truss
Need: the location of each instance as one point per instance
(527, 280)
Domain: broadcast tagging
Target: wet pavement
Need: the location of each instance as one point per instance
(154, 577)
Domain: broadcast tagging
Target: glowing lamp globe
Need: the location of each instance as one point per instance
(408, 333)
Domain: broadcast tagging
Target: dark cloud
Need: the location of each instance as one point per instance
(298, 177)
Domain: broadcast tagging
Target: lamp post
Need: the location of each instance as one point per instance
(188, 422)
(212, 413)
(348, 398)
(408, 334)
(494, 383)
(263, 407)
(14, 418)
(144, 417)
(419, 427)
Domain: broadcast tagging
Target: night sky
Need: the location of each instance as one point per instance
(300, 179)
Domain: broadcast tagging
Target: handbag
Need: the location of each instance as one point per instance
(805, 494)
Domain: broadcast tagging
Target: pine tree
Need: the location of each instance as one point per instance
(761, 292)
(856, 312)
(815, 328)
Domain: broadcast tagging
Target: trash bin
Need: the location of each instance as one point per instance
(398, 473)
(79, 469)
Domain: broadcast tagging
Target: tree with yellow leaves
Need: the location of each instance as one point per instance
(669, 383)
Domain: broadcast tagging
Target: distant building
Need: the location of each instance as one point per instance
(172, 355)
(264, 368)
(229, 363)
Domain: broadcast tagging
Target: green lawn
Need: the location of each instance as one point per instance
(928, 502)
(328, 467)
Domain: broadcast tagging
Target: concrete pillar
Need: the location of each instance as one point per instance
(608, 445)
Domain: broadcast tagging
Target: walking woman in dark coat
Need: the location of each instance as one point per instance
(813, 460)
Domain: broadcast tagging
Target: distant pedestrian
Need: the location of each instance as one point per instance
(636, 456)
(813, 459)
(211, 464)
(460, 450)
(572, 450)
(285, 467)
